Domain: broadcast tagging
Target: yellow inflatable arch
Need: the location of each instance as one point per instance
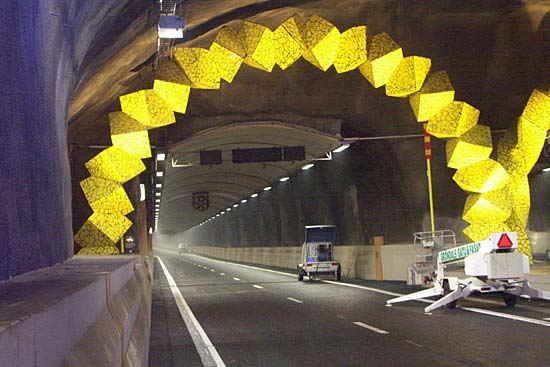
(498, 190)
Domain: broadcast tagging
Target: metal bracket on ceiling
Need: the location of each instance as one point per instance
(176, 165)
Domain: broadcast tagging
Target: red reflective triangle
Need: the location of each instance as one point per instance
(504, 241)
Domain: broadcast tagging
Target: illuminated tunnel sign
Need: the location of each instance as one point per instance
(460, 252)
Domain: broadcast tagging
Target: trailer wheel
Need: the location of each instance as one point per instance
(339, 274)
(510, 299)
(300, 275)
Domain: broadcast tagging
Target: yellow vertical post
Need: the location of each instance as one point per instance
(122, 245)
(428, 155)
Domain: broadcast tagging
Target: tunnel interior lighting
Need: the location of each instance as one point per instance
(253, 195)
(161, 156)
(235, 205)
(160, 174)
(217, 215)
(141, 192)
(157, 200)
(547, 169)
(244, 201)
(267, 188)
(222, 212)
(158, 194)
(150, 230)
(228, 209)
(341, 148)
(158, 186)
(307, 166)
(284, 179)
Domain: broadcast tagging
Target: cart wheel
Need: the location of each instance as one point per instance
(339, 274)
(510, 299)
(300, 275)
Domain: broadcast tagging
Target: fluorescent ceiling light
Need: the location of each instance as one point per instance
(244, 201)
(547, 169)
(161, 156)
(341, 148)
(307, 166)
(267, 188)
(253, 195)
(158, 186)
(157, 200)
(141, 192)
(235, 205)
(222, 212)
(157, 194)
(150, 230)
(160, 174)
(284, 179)
(228, 209)
(217, 215)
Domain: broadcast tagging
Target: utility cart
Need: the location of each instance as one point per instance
(317, 258)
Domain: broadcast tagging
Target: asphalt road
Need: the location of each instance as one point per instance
(254, 317)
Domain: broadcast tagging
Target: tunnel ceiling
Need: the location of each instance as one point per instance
(474, 42)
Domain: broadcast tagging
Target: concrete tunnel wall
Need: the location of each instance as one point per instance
(364, 192)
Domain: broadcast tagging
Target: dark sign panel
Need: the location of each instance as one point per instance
(257, 155)
(209, 157)
(294, 153)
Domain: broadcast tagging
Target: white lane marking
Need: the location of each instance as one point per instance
(237, 279)
(546, 319)
(258, 286)
(372, 328)
(295, 300)
(410, 342)
(381, 291)
(222, 274)
(507, 316)
(208, 353)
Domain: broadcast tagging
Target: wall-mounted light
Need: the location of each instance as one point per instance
(341, 148)
(267, 188)
(254, 195)
(158, 186)
(244, 201)
(222, 212)
(284, 179)
(158, 194)
(228, 209)
(217, 215)
(157, 200)
(161, 157)
(235, 205)
(307, 166)
(150, 230)
(547, 169)
(141, 192)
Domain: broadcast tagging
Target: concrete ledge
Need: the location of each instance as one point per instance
(64, 315)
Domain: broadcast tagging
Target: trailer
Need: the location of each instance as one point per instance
(493, 266)
(317, 259)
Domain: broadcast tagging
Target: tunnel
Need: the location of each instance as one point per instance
(165, 165)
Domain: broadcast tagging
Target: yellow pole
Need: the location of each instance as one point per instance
(122, 245)
(428, 156)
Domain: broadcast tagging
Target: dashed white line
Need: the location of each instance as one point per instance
(258, 286)
(294, 300)
(371, 328)
(413, 343)
(208, 353)
(237, 279)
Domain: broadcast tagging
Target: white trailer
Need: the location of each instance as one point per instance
(493, 265)
(317, 258)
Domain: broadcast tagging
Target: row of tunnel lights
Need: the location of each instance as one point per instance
(159, 174)
(267, 188)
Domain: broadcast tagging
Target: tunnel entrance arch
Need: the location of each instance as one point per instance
(498, 190)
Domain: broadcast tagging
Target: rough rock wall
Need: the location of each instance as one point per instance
(35, 186)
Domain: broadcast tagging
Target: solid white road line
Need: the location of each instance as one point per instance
(258, 286)
(208, 353)
(295, 300)
(395, 294)
(237, 279)
(372, 328)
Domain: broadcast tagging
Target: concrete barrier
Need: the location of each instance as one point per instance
(356, 261)
(88, 311)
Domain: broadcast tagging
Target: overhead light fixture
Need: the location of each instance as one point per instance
(217, 215)
(161, 156)
(160, 174)
(150, 230)
(547, 169)
(267, 188)
(341, 148)
(228, 209)
(222, 212)
(284, 179)
(158, 194)
(307, 166)
(244, 201)
(235, 205)
(158, 186)
(157, 200)
(141, 192)
(253, 195)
